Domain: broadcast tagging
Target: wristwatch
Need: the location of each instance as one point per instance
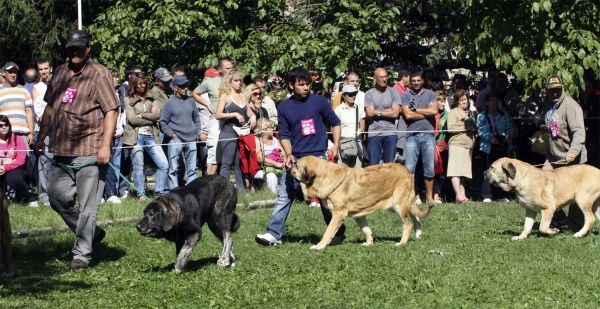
(378, 113)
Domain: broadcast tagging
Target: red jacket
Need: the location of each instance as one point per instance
(248, 158)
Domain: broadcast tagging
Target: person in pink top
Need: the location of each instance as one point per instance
(12, 163)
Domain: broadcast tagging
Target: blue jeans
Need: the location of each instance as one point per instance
(112, 178)
(289, 189)
(382, 147)
(422, 144)
(147, 143)
(175, 148)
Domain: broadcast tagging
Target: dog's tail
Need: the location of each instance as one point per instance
(415, 210)
(235, 223)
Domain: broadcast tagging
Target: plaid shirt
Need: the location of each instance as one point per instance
(77, 127)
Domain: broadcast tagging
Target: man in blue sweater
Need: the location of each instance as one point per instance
(302, 131)
(180, 120)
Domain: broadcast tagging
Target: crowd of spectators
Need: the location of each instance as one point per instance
(445, 135)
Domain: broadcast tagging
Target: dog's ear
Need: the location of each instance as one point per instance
(168, 214)
(308, 176)
(510, 170)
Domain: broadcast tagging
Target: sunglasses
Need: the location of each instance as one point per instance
(351, 94)
(4, 125)
(256, 93)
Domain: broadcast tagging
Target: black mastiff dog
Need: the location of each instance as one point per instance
(179, 215)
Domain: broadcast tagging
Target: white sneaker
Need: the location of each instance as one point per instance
(114, 200)
(102, 201)
(418, 201)
(267, 240)
(33, 204)
(439, 201)
(505, 200)
(47, 204)
(125, 195)
(314, 202)
(487, 200)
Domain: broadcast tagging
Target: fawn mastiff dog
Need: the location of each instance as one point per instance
(179, 215)
(5, 232)
(546, 191)
(357, 192)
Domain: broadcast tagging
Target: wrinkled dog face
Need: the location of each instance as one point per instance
(151, 224)
(500, 174)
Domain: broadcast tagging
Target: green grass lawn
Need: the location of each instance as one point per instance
(464, 259)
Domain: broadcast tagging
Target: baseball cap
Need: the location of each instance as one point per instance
(77, 38)
(162, 74)
(349, 89)
(211, 72)
(9, 65)
(180, 80)
(554, 81)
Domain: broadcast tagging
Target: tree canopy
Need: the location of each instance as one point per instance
(532, 38)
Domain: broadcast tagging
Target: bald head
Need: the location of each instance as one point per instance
(31, 76)
(381, 78)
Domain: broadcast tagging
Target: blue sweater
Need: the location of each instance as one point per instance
(180, 116)
(291, 115)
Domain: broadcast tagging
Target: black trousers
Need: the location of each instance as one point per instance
(17, 179)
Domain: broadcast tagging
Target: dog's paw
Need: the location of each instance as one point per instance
(178, 271)
(317, 247)
(366, 244)
(418, 234)
(398, 244)
(519, 237)
(553, 230)
(223, 262)
(578, 234)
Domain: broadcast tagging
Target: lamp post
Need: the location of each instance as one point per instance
(79, 24)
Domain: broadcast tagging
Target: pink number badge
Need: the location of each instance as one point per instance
(308, 127)
(69, 95)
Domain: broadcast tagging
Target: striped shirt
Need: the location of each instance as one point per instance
(77, 125)
(13, 101)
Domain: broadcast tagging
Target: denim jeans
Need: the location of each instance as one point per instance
(175, 148)
(111, 186)
(422, 144)
(289, 189)
(382, 147)
(148, 144)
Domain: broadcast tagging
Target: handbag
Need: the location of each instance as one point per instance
(348, 148)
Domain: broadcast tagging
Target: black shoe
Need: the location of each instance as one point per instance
(78, 264)
(559, 223)
(99, 237)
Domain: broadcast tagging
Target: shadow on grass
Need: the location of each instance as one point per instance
(192, 265)
(309, 239)
(41, 261)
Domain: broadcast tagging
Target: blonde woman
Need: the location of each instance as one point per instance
(269, 153)
(460, 144)
(252, 95)
(234, 112)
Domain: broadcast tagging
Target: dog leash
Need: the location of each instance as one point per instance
(92, 162)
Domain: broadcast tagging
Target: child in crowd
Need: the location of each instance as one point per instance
(441, 155)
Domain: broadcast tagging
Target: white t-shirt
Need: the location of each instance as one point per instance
(347, 117)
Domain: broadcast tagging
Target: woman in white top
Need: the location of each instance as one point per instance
(349, 113)
(269, 153)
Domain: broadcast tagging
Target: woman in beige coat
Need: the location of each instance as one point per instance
(460, 144)
(141, 132)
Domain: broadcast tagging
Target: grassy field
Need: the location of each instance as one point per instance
(465, 259)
